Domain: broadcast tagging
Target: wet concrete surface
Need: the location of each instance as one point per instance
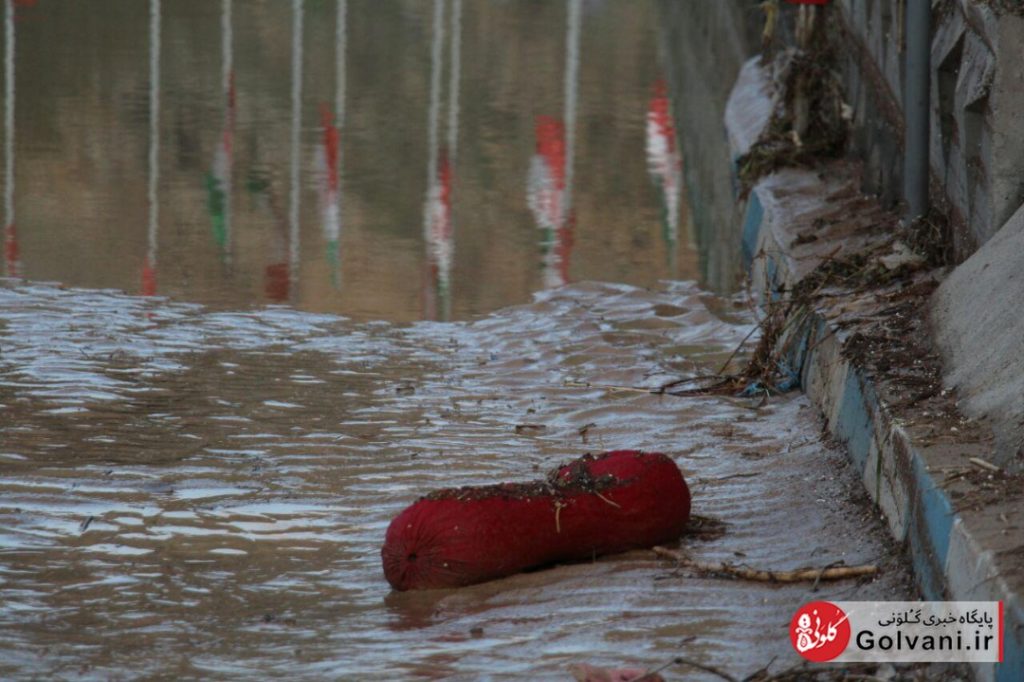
(196, 493)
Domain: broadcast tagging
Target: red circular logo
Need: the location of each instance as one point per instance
(819, 631)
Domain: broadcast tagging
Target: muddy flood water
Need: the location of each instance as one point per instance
(277, 269)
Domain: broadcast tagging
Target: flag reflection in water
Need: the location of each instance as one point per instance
(440, 247)
(549, 183)
(665, 165)
(438, 229)
(12, 258)
(12, 253)
(149, 266)
(546, 195)
(218, 180)
(277, 274)
(330, 203)
(328, 190)
(281, 274)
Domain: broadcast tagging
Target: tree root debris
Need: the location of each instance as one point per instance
(831, 572)
(801, 672)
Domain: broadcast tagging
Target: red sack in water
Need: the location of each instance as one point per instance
(594, 505)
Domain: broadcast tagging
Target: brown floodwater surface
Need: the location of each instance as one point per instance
(399, 160)
(274, 270)
(204, 494)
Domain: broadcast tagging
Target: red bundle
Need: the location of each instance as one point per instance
(594, 505)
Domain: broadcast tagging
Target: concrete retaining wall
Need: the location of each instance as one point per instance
(980, 331)
(702, 46)
(953, 552)
(959, 552)
(977, 161)
(977, 107)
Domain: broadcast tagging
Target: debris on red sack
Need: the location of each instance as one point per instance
(594, 505)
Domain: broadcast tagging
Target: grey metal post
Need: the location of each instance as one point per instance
(916, 107)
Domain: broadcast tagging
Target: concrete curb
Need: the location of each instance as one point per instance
(952, 551)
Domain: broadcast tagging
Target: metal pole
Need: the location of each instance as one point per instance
(916, 108)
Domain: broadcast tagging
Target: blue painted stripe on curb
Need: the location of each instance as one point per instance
(814, 338)
(937, 518)
(929, 526)
(853, 426)
(1012, 667)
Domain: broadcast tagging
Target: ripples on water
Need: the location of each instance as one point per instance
(206, 493)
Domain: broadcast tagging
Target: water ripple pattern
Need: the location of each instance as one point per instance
(204, 494)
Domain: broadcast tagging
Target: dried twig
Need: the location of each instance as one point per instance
(705, 667)
(725, 386)
(652, 675)
(611, 502)
(736, 350)
(610, 387)
(800, 672)
(742, 474)
(984, 464)
(821, 572)
(559, 506)
(767, 576)
(689, 380)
